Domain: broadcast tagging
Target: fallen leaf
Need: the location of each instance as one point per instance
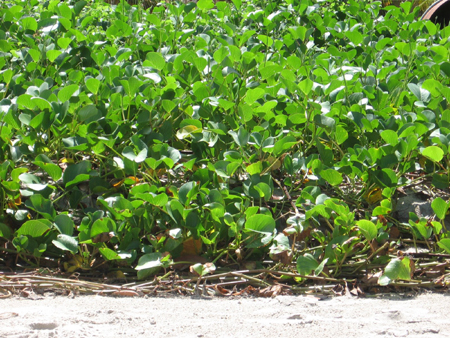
(394, 233)
(371, 278)
(125, 293)
(192, 246)
(272, 291)
(222, 291)
(373, 196)
(103, 237)
(338, 290)
(284, 257)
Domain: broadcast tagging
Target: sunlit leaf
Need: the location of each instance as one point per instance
(368, 229)
(434, 153)
(67, 243)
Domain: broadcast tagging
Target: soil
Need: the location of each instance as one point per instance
(424, 315)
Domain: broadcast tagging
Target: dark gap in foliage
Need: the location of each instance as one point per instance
(439, 13)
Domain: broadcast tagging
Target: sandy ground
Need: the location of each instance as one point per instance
(426, 315)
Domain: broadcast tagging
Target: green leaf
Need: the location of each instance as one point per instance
(205, 4)
(12, 119)
(156, 60)
(440, 207)
(34, 228)
(149, 261)
(79, 5)
(284, 144)
(433, 86)
(396, 269)
(32, 182)
(203, 269)
(341, 135)
(325, 121)
(42, 206)
(267, 72)
(254, 94)
(267, 40)
(184, 191)
(63, 43)
(255, 168)
(54, 171)
(386, 177)
(331, 176)
(64, 10)
(241, 137)
(102, 225)
(89, 114)
(306, 264)
(41, 103)
(390, 137)
(237, 4)
(434, 153)
(109, 254)
(319, 269)
(264, 190)
(53, 54)
(93, 85)
(128, 152)
(29, 23)
(420, 93)
(368, 229)
(5, 231)
(5, 47)
(306, 86)
(66, 243)
(64, 224)
(259, 223)
(355, 37)
(445, 244)
(76, 173)
(66, 93)
(220, 54)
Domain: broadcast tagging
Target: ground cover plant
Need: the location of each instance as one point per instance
(275, 137)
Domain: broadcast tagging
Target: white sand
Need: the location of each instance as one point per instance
(426, 315)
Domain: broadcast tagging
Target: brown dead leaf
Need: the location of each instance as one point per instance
(271, 291)
(412, 266)
(382, 220)
(103, 237)
(338, 290)
(250, 290)
(374, 245)
(358, 246)
(284, 257)
(222, 291)
(371, 278)
(125, 293)
(192, 246)
(356, 290)
(304, 234)
(394, 233)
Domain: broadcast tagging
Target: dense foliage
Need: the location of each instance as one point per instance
(239, 131)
